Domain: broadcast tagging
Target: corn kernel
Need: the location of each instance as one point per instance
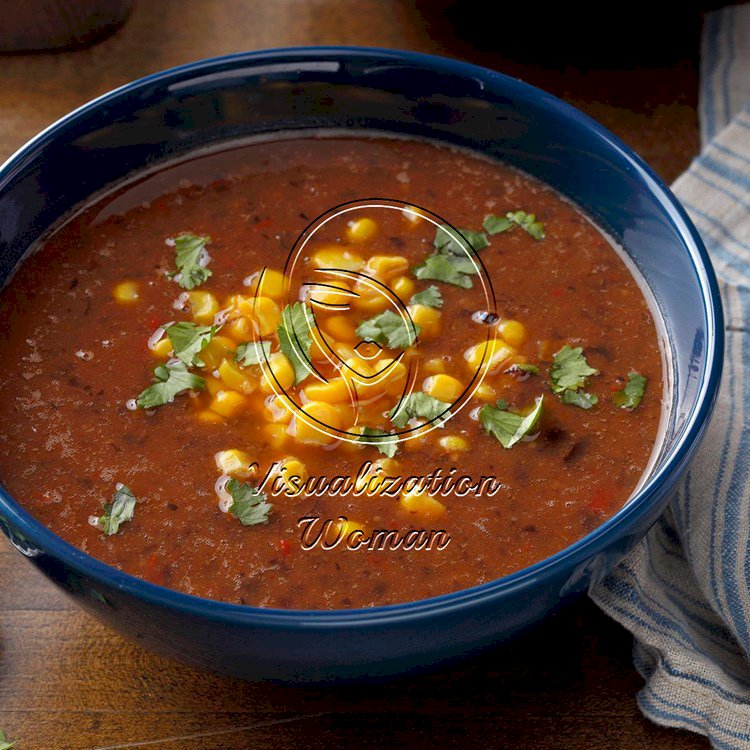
(236, 378)
(513, 332)
(427, 318)
(318, 350)
(240, 329)
(386, 267)
(281, 374)
(412, 215)
(293, 474)
(308, 432)
(280, 409)
(213, 385)
(453, 444)
(228, 403)
(369, 300)
(332, 392)
(268, 283)
(443, 387)
(344, 351)
(330, 294)
(371, 482)
(490, 355)
(203, 306)
(162, 348)
(337, 257)
(403, 287)
(265, 312)
(361, 230)
(395, 380)
(344, 529)
(340, 327)
(485, 392)
(236, 463)
(126, 292)
(421, 504)
(217, 349)
(434, 365)
(276, 435)
(206, 416)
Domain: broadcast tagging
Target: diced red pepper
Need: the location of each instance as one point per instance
(285, 546)
(264, 224)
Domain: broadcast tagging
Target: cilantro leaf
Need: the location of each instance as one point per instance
(377, 438)
(430, 297)
(118, 511)
(570, 369)
(506, 426)
(252, 353)
(447, 243)
(418, 406)
(525, 367)
(389, 329)
(295, 339)
(580, 399)
(4, 743)
(189, 339)
(450, 269)
(249, 504)
(170, 380)
(630, 396)
(189, 251)
(495, 224)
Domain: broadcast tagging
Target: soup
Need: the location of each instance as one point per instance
(326, 372)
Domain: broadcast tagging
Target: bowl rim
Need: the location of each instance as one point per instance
(595, 541)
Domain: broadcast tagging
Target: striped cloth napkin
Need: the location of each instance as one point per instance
(684, 592)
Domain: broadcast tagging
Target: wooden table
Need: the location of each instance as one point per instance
(67, 682)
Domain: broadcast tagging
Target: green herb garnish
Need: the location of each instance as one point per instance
(189, 249)
(171, 380)
(451, 269)
(568, 374)
(389, 329)
(630, 396)
(495, 224)
(249, 504)
(252, 353)
(418, 406)
(189, 339)
(295, 339)
(506, 426)
(377, 438)
(430, 297)
(118, 511)
(525, 367)
(4, 743)
(445, 241)
(581, 399)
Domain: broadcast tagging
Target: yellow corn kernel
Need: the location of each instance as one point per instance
(293, 474)
(427, 318)
(235, 301)
(269, 283)
(360, 376)
(395, 380)
(344, 351)
(332, 392)
(371, 482)
(126, 292)
(264, 311)
(280, 409)
(228, 403)
(513, 332)
(340, 327)
(485, 392)
(453, 444)
(203, 306)
(412, 215)
(236, 378)
(240, 329)
(434, 365)
(318, 349)
(308, 432)
(337, 257)
(206, 416)
(490, 355)
(361, 230)
(162, 348)
(217, 349)
(403, 287)
(443, 387)
(369, 300)
(421, 504)
(344, 529)
(330, 294)
(281, 375)
(386, 267)
(236, 463)
(276, 435)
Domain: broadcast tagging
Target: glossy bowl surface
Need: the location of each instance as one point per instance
(204, 104)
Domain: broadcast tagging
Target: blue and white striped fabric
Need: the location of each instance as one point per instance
(684, 592)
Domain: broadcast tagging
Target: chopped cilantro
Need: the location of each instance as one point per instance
(5, 744)
(430, 297)
(118, 511)
(295, 339)
(525, 367)
(170, 380)
(447, 243)
(506, 426)
(418, 406)
(495, 224)
(252, 353)
(389, 329)
(249, 504)
(450, 269)
(570, 369)
(377, 438)
(580, 399)
(189, 339)
(630, 396)
(189, 250)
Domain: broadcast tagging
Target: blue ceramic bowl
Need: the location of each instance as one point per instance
(170, 113)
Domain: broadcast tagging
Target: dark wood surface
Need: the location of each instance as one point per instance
(67, 682)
